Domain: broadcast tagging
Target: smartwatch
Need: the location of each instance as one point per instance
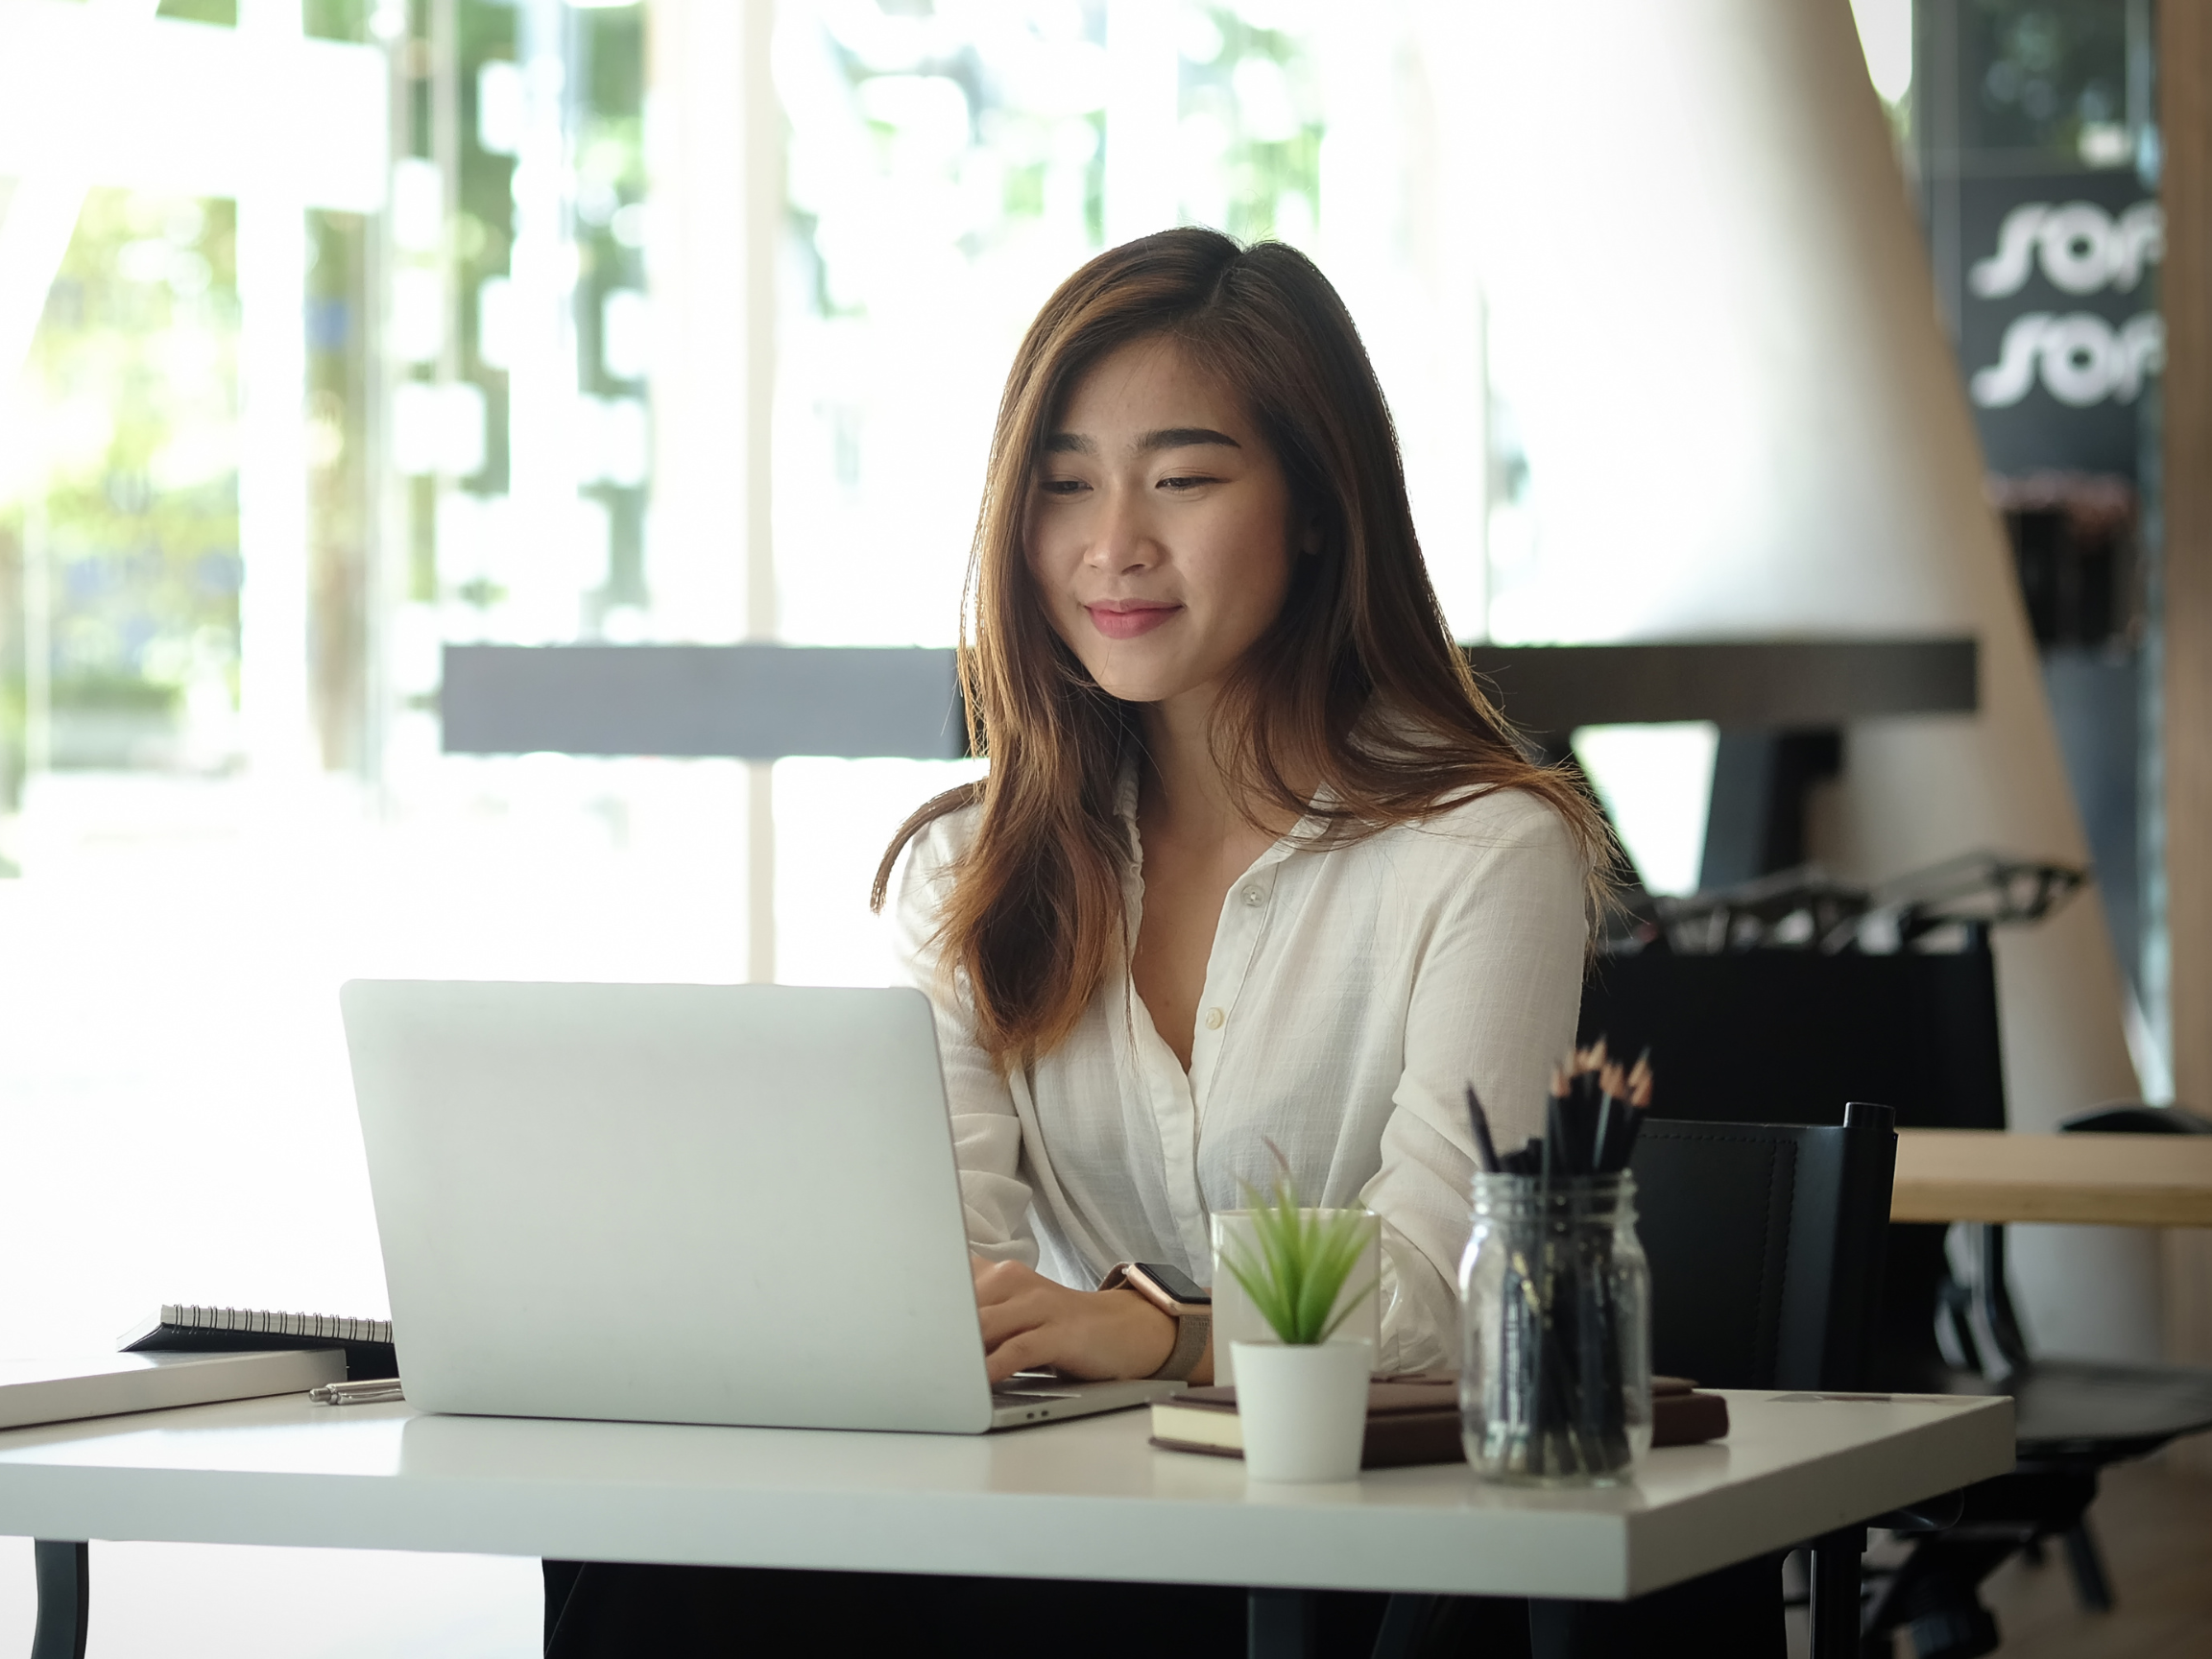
(1169, 1290)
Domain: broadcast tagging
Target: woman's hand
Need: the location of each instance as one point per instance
(1029, 1321)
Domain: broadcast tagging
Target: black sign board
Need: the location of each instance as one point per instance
(2059, 322)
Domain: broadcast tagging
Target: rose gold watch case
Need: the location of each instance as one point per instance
(1131, 1276)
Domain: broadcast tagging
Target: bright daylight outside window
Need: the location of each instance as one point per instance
(294, 414)
(946, 169)
(297, 417)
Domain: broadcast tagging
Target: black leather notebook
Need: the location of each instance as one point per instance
(189, 1329)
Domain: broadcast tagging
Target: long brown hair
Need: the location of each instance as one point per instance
(1035, 918)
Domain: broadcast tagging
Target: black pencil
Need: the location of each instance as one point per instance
(1479, 1121)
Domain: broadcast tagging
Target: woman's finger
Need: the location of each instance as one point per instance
(999, 1280)
(1026, 1352)
(1001, 1320)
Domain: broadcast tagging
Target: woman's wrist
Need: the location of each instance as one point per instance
(1152, 1331)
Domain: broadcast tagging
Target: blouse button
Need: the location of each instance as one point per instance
(1214, 1019)
(1253, 896)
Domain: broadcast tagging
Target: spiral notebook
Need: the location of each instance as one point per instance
(188, 1328)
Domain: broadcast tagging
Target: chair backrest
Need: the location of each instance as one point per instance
(1781, 1036)
(1765, 1242)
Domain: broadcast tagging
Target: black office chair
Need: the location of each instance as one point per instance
(1766, 1246)
(1727, 1308)
(1777, 1034)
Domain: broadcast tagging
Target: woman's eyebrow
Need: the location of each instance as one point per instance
(1167, 437)
(1184, 438)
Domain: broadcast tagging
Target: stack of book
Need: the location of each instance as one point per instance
(186, 1354)
(1414, 1418)
(108, 1384)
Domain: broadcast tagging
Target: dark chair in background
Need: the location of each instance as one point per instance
(1728, 1308)
(1766, 1246)
(1778, 1036)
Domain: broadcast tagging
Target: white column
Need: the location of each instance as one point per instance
(1143, 96)
(1743, 421)
(41, 214)
(539, 564)
(36, 218)
(714, 152)
(272, 605)
(1398, 162)
(38, 641)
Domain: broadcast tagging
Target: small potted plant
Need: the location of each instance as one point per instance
(1303, 1405)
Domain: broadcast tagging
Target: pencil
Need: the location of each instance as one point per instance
(1479, 1121)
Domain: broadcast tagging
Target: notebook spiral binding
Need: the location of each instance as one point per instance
(322, 1327)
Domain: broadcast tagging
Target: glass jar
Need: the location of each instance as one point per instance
(1555, 1323)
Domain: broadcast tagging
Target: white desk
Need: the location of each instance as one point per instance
(1081, 1500)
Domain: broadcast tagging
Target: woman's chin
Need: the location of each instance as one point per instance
(1137, 672)
(1146, 687)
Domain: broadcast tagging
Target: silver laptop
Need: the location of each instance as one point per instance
(678, 1203)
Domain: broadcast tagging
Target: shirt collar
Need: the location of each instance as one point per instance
(1309, 829)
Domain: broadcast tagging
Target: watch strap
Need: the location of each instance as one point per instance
(1191, 1330)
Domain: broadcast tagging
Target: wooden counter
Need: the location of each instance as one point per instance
(2116, 1180)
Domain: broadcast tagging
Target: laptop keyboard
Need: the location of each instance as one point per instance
(1020, 1391)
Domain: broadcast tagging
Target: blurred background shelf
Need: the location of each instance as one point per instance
(762, 702)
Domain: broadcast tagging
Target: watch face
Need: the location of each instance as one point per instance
(1176, 1283)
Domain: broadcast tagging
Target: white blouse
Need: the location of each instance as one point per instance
(1352, 994)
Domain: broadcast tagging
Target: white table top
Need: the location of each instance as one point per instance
(1087, 1499)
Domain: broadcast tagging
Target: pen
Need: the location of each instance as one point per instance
(366, 1392)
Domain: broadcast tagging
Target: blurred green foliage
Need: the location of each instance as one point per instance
(2037, 73)
(135, 360)
(1273, 159)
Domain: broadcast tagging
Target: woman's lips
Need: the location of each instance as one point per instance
(1127, 623)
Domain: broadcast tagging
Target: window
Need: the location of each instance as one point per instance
(532, 330)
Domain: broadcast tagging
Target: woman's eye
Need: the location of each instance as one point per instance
(1184, 482)
(1061, 485)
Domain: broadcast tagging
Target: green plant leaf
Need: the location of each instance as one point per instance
(1297, 1264)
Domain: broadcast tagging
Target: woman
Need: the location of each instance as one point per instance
(1254, 862)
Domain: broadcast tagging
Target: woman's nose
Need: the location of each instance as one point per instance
(1123, 539)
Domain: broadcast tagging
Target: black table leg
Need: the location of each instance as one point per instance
(1279, 1624)
(65, 1599)
(1835, 1563)
(2091, 1584)
(1402, 1617)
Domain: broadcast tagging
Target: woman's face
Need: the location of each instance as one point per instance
(1158, 527)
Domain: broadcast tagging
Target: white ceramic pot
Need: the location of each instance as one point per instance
(1302, 1409)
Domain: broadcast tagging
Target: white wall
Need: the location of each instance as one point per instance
(1715, 319)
